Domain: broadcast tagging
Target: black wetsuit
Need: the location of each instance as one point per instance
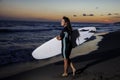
(66, 43)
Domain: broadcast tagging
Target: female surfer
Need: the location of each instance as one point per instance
(65, 36)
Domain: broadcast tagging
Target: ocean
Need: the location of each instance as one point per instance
(19, 38)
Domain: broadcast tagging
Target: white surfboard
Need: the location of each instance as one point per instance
(53, 47)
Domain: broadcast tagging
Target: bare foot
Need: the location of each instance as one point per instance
(64, 75)
(74, 70)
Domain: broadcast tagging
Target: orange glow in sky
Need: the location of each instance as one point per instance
(106, 11)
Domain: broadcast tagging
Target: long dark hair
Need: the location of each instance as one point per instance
(67, 20)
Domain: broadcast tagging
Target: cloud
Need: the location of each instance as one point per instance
(116, 13)
(91, 14)
(88, 14)
(84, 14)
(74, 15)
(109, 14)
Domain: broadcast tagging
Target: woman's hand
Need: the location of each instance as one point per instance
(58, 37)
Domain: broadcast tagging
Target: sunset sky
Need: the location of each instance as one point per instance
(52, 10)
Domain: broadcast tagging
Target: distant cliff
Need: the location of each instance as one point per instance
(117, 23)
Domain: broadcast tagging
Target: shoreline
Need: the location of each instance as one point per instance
(86, 54)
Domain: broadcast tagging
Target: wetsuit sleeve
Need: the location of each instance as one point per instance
(62, 35)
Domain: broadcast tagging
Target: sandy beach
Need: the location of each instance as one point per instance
(96, 59)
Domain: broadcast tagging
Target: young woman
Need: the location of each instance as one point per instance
(65, 36)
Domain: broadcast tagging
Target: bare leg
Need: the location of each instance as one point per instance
(65, 68)
(73, 68)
